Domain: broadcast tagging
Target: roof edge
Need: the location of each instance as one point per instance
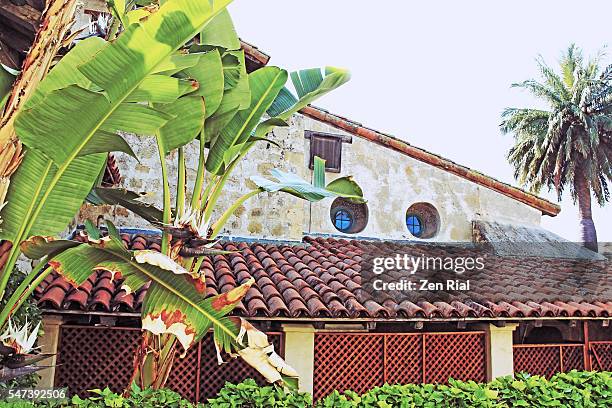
(255, 53)
(532, 200)
(63, 312)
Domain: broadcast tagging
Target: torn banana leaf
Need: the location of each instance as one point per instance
(256, 350)
(172, 303)
(292, 184)
(130, 200)
(310, 85)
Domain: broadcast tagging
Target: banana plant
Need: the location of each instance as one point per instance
(153, 80)
(135, 83)
(52, 35)
(173, 305)
(240, 109)
(71, 120)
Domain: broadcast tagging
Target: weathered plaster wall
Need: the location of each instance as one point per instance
(391, 182)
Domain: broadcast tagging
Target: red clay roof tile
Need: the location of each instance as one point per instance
(77, 299)
(321, 278)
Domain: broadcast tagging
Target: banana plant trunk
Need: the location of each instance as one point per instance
(588, 234)
(54, 26)
(153, 361)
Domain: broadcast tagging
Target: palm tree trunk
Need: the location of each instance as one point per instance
(588, 234)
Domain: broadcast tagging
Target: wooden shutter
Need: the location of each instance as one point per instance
(329, 148)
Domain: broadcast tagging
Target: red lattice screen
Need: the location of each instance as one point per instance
(213, 376)
(96, 357)
(347, 362)
(548, 359)
(407, 352)
(361, 361)
(601, 355)
(454, 355)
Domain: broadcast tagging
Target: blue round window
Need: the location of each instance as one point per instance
(343, 220)
(414, 224)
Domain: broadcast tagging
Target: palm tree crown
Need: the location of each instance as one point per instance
(570, 144)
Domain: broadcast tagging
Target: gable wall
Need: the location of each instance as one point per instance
(392, 182)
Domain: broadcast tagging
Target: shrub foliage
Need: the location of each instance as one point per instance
(576, 389)
(573, 389)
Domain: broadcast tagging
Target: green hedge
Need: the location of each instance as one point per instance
(243, 395)
(250, 395)
(572, 390)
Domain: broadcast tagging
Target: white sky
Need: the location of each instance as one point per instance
(436, 74)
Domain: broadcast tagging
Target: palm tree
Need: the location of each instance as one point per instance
(570, 143)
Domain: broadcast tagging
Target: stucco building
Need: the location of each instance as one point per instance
(538, 304)
(532, 308)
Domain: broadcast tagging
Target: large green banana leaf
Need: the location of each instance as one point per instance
(236, 92)
(189, 113)
(309, 84)
(31, 181)
(62, 120)
(162, 89)
(237, 137)
(220, 32)
(209, 74)
(265, 84)
(292, 184)
(172, 303)
(191, 110)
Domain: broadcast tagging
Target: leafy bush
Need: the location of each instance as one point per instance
(456, 394)
(147, 398)
(244, 395)
(248, 394)
(573, 389)
(138, 398)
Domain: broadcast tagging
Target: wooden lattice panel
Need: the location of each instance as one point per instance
(184, 375)
(461, 356)
(404, 359)
(347, 362)
(214, 376)
(573, 358)
(537, 360)
(93, 357)
(360, 362)
(601, 355)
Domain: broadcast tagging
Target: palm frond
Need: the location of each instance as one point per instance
(574, 137)
(541, 91)
(570, 61)
(554, 81)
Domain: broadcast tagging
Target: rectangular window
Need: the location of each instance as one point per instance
(328, 147)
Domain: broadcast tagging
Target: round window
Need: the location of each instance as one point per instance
(422, 220)
(343, 220)
(414, 224)
(347, 216)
